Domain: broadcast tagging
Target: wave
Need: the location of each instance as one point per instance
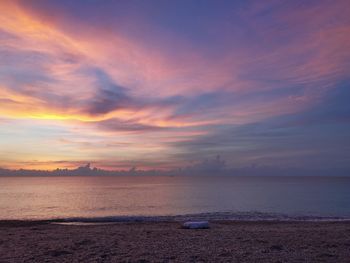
(217, 216)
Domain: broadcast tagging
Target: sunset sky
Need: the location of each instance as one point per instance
(165, 84)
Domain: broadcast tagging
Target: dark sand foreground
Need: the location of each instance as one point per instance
(167, 242)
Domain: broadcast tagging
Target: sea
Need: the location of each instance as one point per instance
(142, 198)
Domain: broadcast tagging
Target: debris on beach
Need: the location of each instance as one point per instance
(196, 225)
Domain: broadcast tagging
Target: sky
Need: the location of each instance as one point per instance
(167, 84)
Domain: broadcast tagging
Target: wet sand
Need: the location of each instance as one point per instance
(168, 242)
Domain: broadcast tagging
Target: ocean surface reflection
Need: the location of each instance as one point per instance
(62, 197)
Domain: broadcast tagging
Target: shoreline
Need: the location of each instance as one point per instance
(60, 222)
(29, 222)
(224, 241)
(212, 216)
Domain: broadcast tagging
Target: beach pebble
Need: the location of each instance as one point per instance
(196, 225)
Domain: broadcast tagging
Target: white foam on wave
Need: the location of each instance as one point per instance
(217, 216)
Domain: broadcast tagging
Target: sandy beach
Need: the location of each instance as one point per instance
(168, 242)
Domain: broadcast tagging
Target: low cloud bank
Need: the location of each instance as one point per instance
(209, 167)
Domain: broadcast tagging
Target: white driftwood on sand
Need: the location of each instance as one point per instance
(196, 225)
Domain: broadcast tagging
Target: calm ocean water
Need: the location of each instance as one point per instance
(229, 197)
